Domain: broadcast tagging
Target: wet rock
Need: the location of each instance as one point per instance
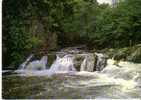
(132, 54)
(88, 63)
(100, 61)
(78, 59)
(135, 56)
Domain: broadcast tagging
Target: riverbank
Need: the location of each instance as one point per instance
(131, 54)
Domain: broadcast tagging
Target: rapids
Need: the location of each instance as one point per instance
(97, 78)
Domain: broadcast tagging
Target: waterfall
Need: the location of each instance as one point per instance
(38, 67)
(34, 65)
(93, 62)
(100, 61)
(88, 63)
(64, 64)
(23, 65)
(98, 76)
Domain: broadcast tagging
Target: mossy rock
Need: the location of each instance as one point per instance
(132, 54)
(109, 52)
(122, 54)
(51, 59)
(135, 56)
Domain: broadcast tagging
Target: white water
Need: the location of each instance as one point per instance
(23, 65)
(123, 79)
(122, 82)
(64, 65)
(88, 63)
(38, 67)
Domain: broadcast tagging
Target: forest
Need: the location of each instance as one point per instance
(33, 26)
(71, 49)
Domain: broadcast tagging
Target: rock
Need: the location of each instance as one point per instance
(88, 63)
(78, 59)
(135, 56)
(100, 61)
(132, 54)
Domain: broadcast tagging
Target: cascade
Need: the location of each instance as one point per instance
(64, 64)
(34, 65)
(88, 63)
(100, 61)
(23, 65)
(98, 76)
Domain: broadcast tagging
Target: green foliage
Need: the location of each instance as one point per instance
(16, 40)
(22, 21)
(15, 34)
(82, 22)
(33, 42)
(119, 26)
(29, 24)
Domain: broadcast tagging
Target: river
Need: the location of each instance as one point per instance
(91, 79)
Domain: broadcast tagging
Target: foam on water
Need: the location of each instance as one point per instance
(23, 65)
(118, 80)
(38, 67)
